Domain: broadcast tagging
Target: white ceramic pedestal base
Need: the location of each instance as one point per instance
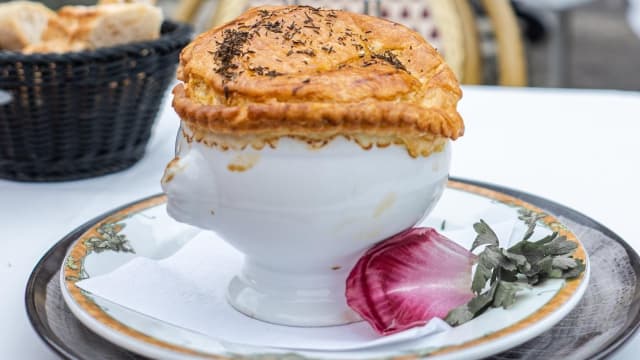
(301, 215)
(313, 299)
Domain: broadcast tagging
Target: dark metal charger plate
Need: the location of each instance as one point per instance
(606, 317)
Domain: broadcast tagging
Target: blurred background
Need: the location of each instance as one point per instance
(602, 49)
(565, 43)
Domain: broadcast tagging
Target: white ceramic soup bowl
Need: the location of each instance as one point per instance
(302, 216)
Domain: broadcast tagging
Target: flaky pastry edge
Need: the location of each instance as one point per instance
(422, 130)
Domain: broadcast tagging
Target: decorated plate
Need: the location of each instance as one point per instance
(166, 314)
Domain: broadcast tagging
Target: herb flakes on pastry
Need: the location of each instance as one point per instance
(314, 74)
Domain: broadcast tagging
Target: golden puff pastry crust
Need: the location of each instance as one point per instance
(304, 72)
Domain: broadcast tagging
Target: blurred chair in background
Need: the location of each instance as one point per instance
(633, 16)
(449, 25)
(558, 12)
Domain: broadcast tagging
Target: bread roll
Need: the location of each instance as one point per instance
(23, 23)
(111, 24)
(54, 46)
(56, 30)
(148, 2)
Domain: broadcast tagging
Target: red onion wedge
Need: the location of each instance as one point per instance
(408, 279)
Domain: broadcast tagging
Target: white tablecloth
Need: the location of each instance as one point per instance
(579, 148)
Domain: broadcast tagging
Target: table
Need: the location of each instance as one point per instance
(577, 147)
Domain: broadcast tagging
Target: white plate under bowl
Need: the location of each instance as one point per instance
(149, 231)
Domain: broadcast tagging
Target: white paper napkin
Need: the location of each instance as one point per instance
(188, 289)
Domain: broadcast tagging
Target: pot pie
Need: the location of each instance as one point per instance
(314, 74)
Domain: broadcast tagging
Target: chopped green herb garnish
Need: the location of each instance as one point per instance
(501, 273)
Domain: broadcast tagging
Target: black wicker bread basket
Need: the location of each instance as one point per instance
(83, 114)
